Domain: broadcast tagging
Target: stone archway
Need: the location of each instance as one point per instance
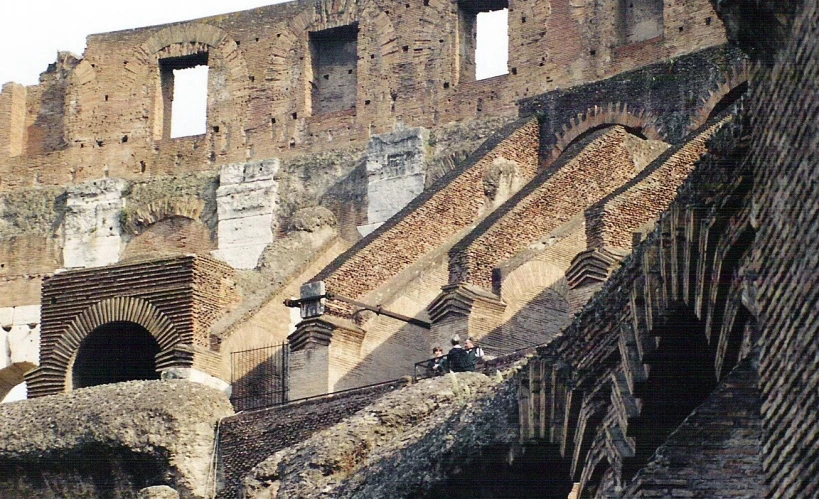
(54, 373)
(600, 116)
(115, 352)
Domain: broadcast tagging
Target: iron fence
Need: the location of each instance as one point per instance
(260, 377)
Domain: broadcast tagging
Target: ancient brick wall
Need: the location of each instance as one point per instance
(612, 221)
(456, 201)
(716, 452)
(176, 299)
(604, 162)
(784, 263)
(641, 99)
(247, 439)
(657, 339)
(109, 109)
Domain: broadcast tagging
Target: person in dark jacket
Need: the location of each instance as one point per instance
(457, 358)
(438, 363)
(475, 353)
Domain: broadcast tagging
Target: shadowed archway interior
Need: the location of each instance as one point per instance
(115, 352)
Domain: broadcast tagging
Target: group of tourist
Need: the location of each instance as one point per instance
(459, 359)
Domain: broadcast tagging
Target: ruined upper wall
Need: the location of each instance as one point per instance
(307, 76)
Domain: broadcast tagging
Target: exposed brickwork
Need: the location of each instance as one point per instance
(716, 452)
(552, 199)
(247, 439)
(407, 68)
(651, 345)
(175, 299)
(612, 221)
(784, 258)
(457, 202)
(657, 99)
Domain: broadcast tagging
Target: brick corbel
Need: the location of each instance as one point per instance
(452, 310)
(319, 332)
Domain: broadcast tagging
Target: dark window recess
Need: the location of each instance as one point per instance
(334, 56)
(641, 20)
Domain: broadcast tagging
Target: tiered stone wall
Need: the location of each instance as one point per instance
(604, 162)
(651, 346)
(107, 111)
(611, 222)
(457, 201)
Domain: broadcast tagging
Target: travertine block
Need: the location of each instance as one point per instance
(395, 173)
(246, 200)
(93, 235)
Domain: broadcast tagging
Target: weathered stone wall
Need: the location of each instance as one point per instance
(388, 448)
(108, 110)
(456, 201)
(111, 441)
(247, 439)
(604, 161)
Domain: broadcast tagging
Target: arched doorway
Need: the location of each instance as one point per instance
(115, 352)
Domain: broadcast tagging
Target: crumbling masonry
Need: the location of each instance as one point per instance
(620, 220)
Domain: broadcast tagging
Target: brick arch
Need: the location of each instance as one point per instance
(13, 375)
(614, 113)
(229, 106)
(730, 81)
(187, 207)
(375, 25)
(191, 38)
(117, 309)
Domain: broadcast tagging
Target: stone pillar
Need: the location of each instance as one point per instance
(12, 120)
(322, 351)
(246, 202)
(395, 174)
(92, 228)
(464, 310)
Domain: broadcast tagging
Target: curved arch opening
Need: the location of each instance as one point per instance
(636, 131)
(115, 352)
(729, 100)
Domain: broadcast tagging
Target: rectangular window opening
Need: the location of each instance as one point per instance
(484, 38)
(641, 20)
(184, 82)
(334, 63)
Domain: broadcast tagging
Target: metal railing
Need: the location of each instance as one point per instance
(260, 377)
